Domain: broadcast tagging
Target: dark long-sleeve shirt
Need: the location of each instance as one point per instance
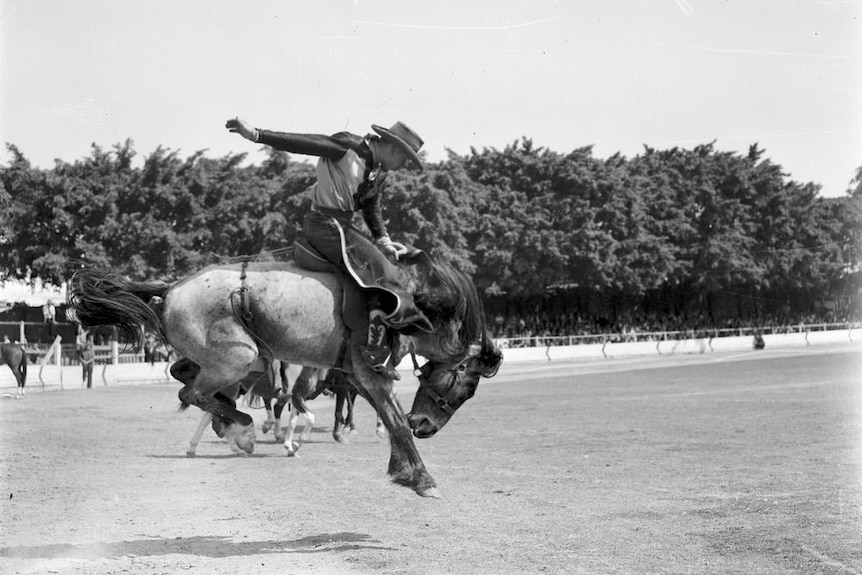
(346, 180)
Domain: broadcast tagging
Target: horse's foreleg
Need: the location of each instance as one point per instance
(309, 425)
(206, 418)
(289, 444)
(405, 465)
(339, 420)
(278, 409)
(380, 429)
(351, 399)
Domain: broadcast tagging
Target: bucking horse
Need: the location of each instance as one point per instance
(224, 318)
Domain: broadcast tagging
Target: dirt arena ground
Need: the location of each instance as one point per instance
(748, 464)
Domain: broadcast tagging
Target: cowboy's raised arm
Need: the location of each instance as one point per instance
(306, 144)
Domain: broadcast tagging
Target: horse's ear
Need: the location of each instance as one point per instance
(421, 262)
(416, 257)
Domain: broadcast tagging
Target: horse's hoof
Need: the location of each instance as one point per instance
(338, 437)
(190, 453)
(265, 428)
(429, 492)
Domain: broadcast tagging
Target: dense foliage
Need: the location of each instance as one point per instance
(672, 232)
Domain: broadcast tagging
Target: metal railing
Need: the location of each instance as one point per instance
(635, 336)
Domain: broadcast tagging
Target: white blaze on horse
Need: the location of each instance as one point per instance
(15, 356)
(223, 318)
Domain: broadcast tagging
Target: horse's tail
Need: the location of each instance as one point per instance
(104, 298)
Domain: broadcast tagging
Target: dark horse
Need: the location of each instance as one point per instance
(15, 356)
(345, 394)
(224, 317)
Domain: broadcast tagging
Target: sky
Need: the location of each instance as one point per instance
(612, 74)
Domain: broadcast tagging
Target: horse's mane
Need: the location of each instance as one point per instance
(449, 299)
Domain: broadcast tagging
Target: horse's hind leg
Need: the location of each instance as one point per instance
(239, 426)
(22, 379)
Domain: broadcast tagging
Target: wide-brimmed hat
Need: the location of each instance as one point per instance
(403, 137)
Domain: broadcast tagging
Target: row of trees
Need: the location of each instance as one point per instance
(670, 231)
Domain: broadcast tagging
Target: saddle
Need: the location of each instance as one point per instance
(354, 306)
(401, 316)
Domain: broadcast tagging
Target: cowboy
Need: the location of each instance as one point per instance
(351, 171)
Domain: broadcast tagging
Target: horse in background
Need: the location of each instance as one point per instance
(345, 394)
(273, 383)
(15, 356)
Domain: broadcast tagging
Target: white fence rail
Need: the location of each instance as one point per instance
(56, 369)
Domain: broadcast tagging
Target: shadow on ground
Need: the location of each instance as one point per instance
(215, 547)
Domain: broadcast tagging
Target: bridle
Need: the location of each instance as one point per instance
(441, 401)
(445, 401)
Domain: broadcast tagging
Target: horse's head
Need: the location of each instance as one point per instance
(444, 387)
(459, 352)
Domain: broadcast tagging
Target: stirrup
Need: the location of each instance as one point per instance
(375, 358)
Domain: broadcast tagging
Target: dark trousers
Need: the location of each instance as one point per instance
(367, 266)
(88, 373)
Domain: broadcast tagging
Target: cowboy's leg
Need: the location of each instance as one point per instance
(376, 351)
(327, 236)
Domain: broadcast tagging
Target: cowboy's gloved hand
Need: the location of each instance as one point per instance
(242, 128)
(390, 248)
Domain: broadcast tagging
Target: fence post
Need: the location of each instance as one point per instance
(22, 337)
(115, 359)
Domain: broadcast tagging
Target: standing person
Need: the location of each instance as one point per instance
(81, 338)
(87, 357)
(49, 316)
(351, 171)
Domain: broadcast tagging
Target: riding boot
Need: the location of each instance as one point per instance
(376, 353)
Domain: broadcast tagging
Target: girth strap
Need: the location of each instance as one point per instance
(243, 314)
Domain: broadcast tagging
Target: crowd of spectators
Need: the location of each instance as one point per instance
(540, 329)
